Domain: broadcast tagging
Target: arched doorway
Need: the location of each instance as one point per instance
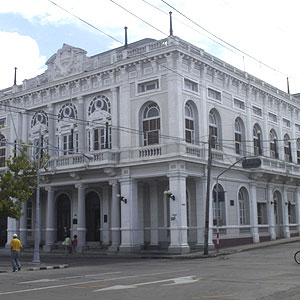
(63, 215)
(277, 199)
(92, 212)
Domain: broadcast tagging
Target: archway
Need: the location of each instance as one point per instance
(92, 212)
(63, 215)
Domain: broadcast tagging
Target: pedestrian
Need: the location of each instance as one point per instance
(68, 245)
(74, 243)
(16, 247)
(66, 232)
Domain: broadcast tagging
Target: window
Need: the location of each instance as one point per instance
(99, 134)
(297, 127)
(238, 136)
(214, 94)
(2, 122)
(298, 151)
(70, 143)
(287, 149)
(190, 85)
(148, 86)
(262, 213)
(189, 124)
(68, 111)
(151, 124)
(244, 207)
(2, 151)
(272, 117)
(292, 212)
(257, 111)
(213, 130)
(220, 210)
(29, 217)
(239, 104)
(257, 140)
(273, 145)
(286, 122)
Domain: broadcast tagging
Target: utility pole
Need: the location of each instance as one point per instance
(205, 252)
(36, 253)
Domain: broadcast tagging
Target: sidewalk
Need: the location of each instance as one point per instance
(151, 254)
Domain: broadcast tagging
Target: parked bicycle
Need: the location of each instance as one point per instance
(297, 257)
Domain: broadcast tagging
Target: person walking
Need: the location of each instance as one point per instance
(74, 243)
(68, 245)
(16, 247)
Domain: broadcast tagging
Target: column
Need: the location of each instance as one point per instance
(23, 224)
(105, 223)
(141, 213)
(297, 199)
(253, 213)
(129, 216)
(200, 213)
(115, 217)
(51, 130)
(81, 228)
(204, 112)
(270, 211)
(178, 215)
(50, 220)
(81, 133)
(115, 119)
(25, 127)
(249, 124)
(153, 215)
(11, 230)
(285, 213)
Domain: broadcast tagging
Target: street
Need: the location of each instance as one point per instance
(265, 273)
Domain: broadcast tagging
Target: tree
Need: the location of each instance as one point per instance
(17, 184)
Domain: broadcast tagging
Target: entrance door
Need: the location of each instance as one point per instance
(63, 215)
(92, 217)
(278, 214)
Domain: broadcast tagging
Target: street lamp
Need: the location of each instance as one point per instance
(122, 198)
(170, 195)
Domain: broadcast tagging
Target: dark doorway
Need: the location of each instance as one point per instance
(63, 215)
(92, 213)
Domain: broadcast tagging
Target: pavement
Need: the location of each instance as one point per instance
(150, 254)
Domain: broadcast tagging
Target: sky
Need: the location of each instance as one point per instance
(257, 36)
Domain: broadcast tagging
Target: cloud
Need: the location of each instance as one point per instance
(21, 52)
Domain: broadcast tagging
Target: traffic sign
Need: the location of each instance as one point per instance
(249, 163)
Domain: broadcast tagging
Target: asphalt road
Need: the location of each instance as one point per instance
(265, 273)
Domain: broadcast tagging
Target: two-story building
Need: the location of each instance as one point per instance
(127, 132)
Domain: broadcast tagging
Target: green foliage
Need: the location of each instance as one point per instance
(17, 184)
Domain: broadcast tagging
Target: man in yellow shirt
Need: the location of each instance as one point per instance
(16, 247)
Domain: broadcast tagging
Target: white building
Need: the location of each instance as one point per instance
(144, 113)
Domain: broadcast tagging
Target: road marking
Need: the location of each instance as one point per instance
(177, 280)
(64, 278)
(86, 282)
(216, 296)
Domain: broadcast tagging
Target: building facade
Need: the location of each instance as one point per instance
(127, 132)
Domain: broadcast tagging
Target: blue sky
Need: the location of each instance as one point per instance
(31, 31)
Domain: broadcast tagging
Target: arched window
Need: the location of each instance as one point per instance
(244, 207)
(2, 151)
(219, 210)
(99, 132)
(189, 124)
(257, 140)
(151, 124)
(39, 133)
(287, 148)
(298, 151)
(239, 134)
(273, 144)
(214, 129)
(67, 131)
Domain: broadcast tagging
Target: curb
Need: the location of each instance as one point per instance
(48, 267)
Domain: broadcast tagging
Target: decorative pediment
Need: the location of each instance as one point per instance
(67, 61)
